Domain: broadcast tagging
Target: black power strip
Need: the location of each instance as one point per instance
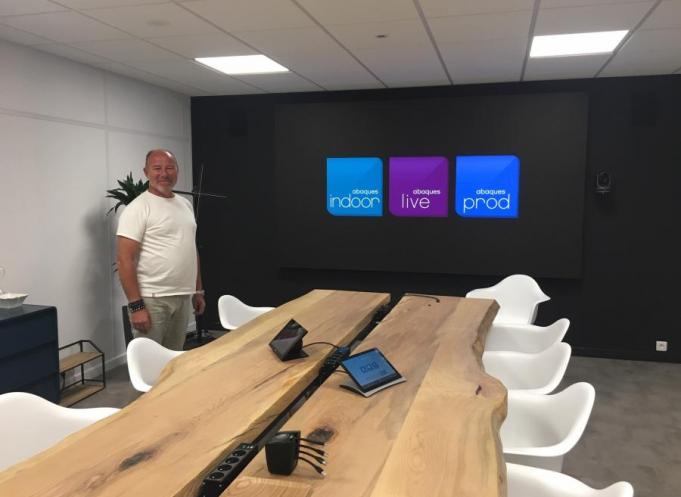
(224, 473)
(333, 361)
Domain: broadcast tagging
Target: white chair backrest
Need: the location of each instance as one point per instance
(540, 429)
(525, 337)
(518, 296)
(30, 424)
(234, 313)
(146, 360)
(526, 481)
(537, 373)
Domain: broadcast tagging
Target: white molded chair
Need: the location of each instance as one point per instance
(30, 424)
(146, 360)
(537, 373)
(525, 481)
(234, 313)
(518, 297)
(540, 429)
(525, 337)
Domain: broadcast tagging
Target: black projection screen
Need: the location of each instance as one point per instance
(547, 132)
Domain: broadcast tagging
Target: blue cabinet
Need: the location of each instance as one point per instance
(29, 351)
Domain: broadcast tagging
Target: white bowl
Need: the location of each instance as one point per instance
(12, 300)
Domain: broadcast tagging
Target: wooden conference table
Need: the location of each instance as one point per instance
(434, 435)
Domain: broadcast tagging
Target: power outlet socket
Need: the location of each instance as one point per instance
(661, 346)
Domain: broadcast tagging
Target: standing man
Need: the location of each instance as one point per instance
(157, 259)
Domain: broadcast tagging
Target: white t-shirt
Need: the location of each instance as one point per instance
(166, 230)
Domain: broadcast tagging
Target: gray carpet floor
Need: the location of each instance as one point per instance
(634, 433)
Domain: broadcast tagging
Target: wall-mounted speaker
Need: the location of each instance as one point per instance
(603, 182)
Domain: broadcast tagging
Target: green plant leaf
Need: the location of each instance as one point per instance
(127, 191)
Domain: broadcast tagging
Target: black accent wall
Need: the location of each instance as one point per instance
(629, 293)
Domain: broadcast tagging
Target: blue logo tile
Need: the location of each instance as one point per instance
(354, 186)
(487, 186)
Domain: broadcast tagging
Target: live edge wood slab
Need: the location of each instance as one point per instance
(206, 402)
(437, 434)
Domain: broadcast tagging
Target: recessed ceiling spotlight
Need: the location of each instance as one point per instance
(382, 36)
(576, 44)
(242, 64)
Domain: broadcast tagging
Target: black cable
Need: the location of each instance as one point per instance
(325, 343)
(316, 468)
(318, 451)
(319, 459)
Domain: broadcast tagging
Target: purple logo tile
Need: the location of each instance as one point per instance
(418, 186)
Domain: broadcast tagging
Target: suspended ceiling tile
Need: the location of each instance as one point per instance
(331, 72)
(547, 4)
(94, 4)
(285, 41)
(310, 52)
(590, 18)
(193, 74)
(398, 35)
(248, 15)
(464, 29)
(151, 21)
(209, 45)
(65, 27)
(331, 12)
(405, 55)
(21, 7)
(19, 36)
(283, 82)
(584, 66)
(131, 72)
(441, 8)
(130, 50)
(666, 15)
(70, 52)
(485, 61)
(647, 52)
(416, 67)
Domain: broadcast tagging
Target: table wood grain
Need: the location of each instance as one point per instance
(437, 434)
(206, 402)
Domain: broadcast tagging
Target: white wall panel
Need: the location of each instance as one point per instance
(141, 107)
(68, 132)
(54, 239)
(32, 81)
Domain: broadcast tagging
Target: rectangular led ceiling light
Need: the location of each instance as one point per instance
(243, 64)
(576, 44)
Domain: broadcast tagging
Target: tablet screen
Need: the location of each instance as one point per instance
(370, 369)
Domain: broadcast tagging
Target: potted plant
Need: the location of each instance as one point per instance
(127, 191)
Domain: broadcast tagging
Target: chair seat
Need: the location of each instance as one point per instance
(146, 359)
(537, 373)
(525, 481)
(234, 313)
(526, 338)
(540, 429)
(30, 424)
(518, 297)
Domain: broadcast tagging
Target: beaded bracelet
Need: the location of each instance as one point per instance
(137, 305)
